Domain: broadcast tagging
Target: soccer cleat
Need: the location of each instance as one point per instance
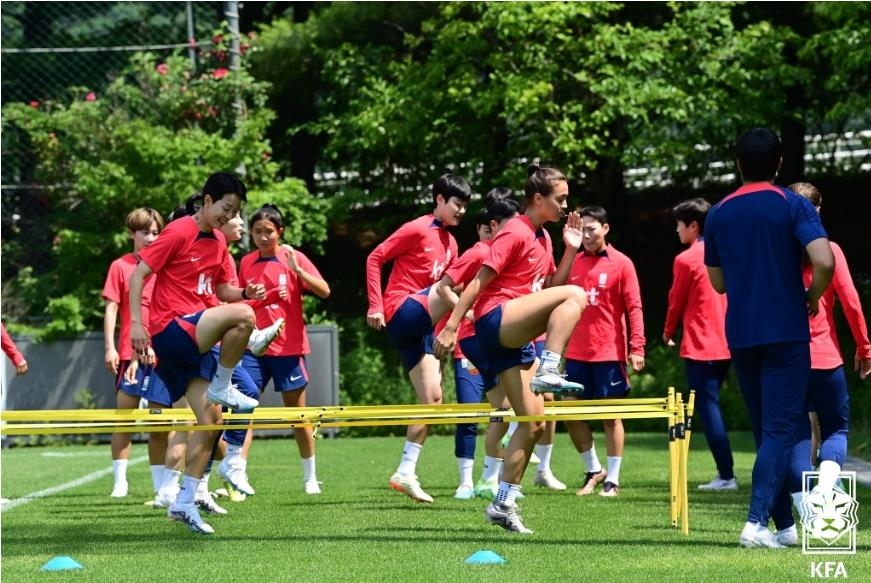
(610, 490)
(235, 477)
(787, 537)
(591, 480)
(261, 339)
(231, 398)
(312, 487)
(548, 480)
(719, 484)
(506, 517)
(464, 492)
(233, 494)
(119, 490)
(409, 486)
(190, 517)
(546, 381)
(757, 536)
(207, 504)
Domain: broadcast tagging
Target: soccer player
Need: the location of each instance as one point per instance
(285, 273)
(828, 397)
(513, 306)
(420, 250)
(754, 240)
(11, 350)
(693, 303)
(131, 380)
(191, 262)
(596, 354)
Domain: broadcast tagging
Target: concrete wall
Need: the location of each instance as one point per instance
(60, 370)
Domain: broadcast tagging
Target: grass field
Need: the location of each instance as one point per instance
(359, 530)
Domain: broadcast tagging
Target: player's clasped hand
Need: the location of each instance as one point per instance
(444, 343)
(255, 291)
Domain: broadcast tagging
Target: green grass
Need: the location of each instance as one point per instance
(359, 530)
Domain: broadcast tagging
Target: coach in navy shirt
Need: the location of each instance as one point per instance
(754, 239)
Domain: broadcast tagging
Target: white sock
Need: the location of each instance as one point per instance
(308, 469)
(233, 451)
(550, 360)
(203, 486)
(188, 491)
(591, 460)
(169, 484)
(512, 427)
(466, 466)
(614, 463)
(119, 470)
(543, 452)
(507, 493)
(829, 471)
(410, 453)
(492, 467)
(223, 376)
(156, 476)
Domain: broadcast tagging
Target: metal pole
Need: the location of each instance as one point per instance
(231, 11)
(192, 50)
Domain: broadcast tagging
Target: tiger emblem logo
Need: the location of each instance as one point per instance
(827, 516)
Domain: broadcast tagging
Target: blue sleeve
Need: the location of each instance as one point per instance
(712, 257)
(806, 221)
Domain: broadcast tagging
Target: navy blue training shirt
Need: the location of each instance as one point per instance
(757, 235)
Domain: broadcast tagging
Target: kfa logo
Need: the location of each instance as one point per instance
(538, 284)
(593, 297)
(829, 518)
(828, 570)
(438, 268)
(204, 285)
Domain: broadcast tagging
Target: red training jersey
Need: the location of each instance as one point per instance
(613, 293)
(420, 250)
(522, 257)
(694, 303)
(825, 350)
(117, 289)
(462, 271)
(10, 349)
(275, 273)
(188, 264)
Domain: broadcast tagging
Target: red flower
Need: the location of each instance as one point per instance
(265, 156)
(212, 111)
(91, 96)
(217, 39)
(34, 104)
(221, 55)
(162, 69)
(220, 73)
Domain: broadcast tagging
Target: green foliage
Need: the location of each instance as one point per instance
(150, 140)
(67, 318)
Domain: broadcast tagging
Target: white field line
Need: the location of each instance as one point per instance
(63, 487)
(74, 454)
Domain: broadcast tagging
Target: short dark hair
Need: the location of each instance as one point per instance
(596, 213)
(221, 183)
(498, 193)
(482, 218)
(503, 209)
(540, 179)
(758, 152)
(271, 213)
(694, 209)
(451, 186)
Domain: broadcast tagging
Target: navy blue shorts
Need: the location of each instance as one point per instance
(601, 380)
(289, 373)
(178, 357)
(472, 351)
(148, 385)
(410, 330)
(500, 357)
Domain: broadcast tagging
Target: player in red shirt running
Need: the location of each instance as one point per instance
(191, 262)
(409, 309)
(513, 306)
(596, 353)
(693, 302)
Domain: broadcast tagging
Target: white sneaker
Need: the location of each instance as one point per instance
(409, 486)
(719, 484)
(787, 537)
(231, 398)
(190, 517)
(261, 339)
(312, 487)
(758, 536)
(236, 477)
(506, 517)
(119, 490)
(548, 381)
(548, 480)
(465, 492)
(208, 504)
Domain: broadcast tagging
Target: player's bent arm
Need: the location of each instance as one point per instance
(822, 259)
(445, 291)
(444, 343)
(318, 286)
(138, 336)
(718, 282)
